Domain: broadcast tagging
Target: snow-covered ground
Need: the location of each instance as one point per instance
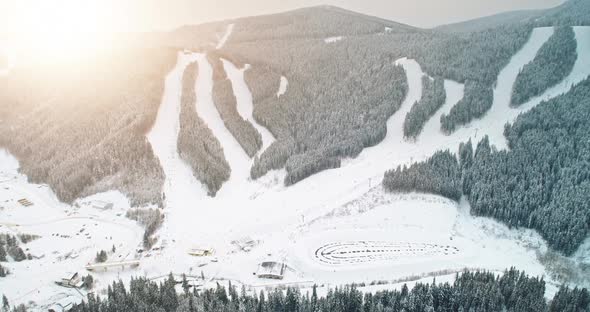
(70, 237)
(244, 101)
(234, 154)
(339, 207)
(282, 86)
(333, 39)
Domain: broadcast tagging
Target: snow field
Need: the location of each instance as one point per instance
(353, 252)
(333, 39)
(70, 237)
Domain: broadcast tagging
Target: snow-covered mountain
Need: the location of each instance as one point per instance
(349, 148)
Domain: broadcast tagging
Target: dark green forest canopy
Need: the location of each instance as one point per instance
(542, 182)
(337, 102)
(552, 64)
(471, 291)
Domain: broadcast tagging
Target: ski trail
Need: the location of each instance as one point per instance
(244, 101)
(580, 72)
(395, 124)
(223, 40)
(183, 192)
(454, 93)
(234, 154)
(359, 175)
(492, 123)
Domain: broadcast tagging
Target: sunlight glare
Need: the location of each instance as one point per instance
(58, 29)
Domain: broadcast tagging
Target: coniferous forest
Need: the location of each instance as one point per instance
(554, 61)
(197, 145)
(433, 97)
(471, 291)
(542, 182)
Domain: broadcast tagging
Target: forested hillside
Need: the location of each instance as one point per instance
(471, 291)
(433, 97)
(80, 126)
(541, 182)
(478, 99)
(571, 13)
(197, 145)
(339, 96)
(225, 101)
(320, 120)
(554, 61)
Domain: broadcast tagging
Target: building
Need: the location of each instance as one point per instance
(25, 202)
(271, 270)
(245, 244)
(201, 252)
(71, 280)
(98, 204)
(118, 265)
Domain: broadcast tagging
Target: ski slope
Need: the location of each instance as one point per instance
(225, 37)
(234, 154)
(244, 101)
(340, 207)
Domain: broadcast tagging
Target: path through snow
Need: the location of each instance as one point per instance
(238, 160)
(223, 40)
(244, 101)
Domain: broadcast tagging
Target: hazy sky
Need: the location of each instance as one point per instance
(167, 14)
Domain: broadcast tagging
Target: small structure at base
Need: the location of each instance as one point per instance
(107, 265)
(201, 252)
(25, 202)
(271, 269)
(71, 280)
(245, 243)
(102, 205)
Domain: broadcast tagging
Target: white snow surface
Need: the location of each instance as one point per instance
(341, 206)
(70, 238)
(283, 86)
(225, 37)
(234, 154)
(333, 39)
(244, 101)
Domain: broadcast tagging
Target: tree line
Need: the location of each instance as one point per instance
(433, 97)
(226, 103)
(197, 145)
(512, 291)
(81, 127)
(552, 64)
(542, 182)
(476, 101)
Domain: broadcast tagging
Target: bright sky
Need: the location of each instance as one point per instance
(55, 30)
(142, 15)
